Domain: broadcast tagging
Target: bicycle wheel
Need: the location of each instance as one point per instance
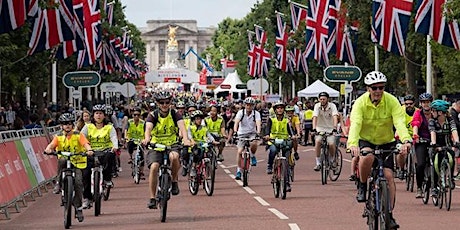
(275, 179)
(447, 184)
(334, 172)
(410, 166)
(106, 192)
(209, 178)
(284, 180)
(136, 175)
(193, 184)
(384, 216)
(164, 195)
(97, 193)
(245, 169)
(324, 167)
(68, 198)
(369, 210)
(426, 185)
(291, 167)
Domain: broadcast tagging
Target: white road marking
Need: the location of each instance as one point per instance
(261, 201)
(227, 171)
(249, 190)
(240, 183)
(294, 226)
(347, 160)
(308, 150)
(278, 213)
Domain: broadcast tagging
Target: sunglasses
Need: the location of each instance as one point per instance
(408, 103)
(67, 123)
(163, 102)
(136, 114)
(191, 111)
(374, 88)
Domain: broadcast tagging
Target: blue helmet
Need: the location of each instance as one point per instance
(440, 105)
(425, 97)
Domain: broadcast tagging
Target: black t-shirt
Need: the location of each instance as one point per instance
(454, 115)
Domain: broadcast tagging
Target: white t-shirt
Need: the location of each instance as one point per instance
(325, 120)
(247, 124)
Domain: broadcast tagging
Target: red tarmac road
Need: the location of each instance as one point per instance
(310, 205)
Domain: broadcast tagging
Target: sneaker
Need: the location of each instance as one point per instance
(152, 203)
(86, 203)
(317, 168)
(288, 187)
(193, 172)
(392, 224)
(119, 169)
(220, 157)
(401, 174)
(352, 177)
(130, 161)
(419, 193)
(108, 183)
(57, 188)
(79, 214)
(269, 169)
(434, 192)
(452, 185)
(175, 188)
(296, 156)
(238, 175)
(361, 196)
(253, 161)
(184, 171)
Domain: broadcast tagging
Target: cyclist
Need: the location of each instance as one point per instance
(71, 141)
(197, 132)
(294, 122)
(420, 130)
(186, 151)
(409, 108)
(373, 117)
(163, 127)
(216, 126)
(307, 124)
(250, 128)
(135, 130)
(101, 135)
(442, 131)
(324, 120)
(180, 107)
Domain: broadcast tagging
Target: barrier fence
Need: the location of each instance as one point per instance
(24, 169)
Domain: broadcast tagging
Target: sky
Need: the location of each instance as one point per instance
(205, 12)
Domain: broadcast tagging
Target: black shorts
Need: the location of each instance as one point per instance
(154, 156)
(389, 162)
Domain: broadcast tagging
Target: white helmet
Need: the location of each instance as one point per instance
(375, 77)
(249, 100)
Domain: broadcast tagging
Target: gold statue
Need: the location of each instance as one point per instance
(172, 36)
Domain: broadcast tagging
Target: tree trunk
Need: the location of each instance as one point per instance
(411, 87)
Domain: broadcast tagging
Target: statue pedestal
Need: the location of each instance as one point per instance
(172, 54)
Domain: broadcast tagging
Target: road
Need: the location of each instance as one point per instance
(310, 205)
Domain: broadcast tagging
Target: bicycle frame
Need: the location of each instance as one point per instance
(281, 174)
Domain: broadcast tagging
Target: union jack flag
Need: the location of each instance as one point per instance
(13, 14)
(317, 31)
(109, 11)
(263, 56)
(431, 20)
(52, 26)
(340, 33)
(390, 24)
(281, 43)
(252, 56)
(92, 22)
(298, 14)
(68, 48)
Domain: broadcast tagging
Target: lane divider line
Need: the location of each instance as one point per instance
(227, 171)
(278, 214)
(294, 226)
(261, 201)
(249, 190)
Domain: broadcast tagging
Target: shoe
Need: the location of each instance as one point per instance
(184, 171)
(288, 187)
(86, 203)
(57, 188)
(401, 174)
(269, 169)
(192, 172)
(152, 203)
(317, 168)
(253, 161)
(119, 169)
(361, 196)
(108, 183)
(175, 188)
(434, 192)
(130, 161)
(296, 156)
(114, 175)
(220, 157)
(238, 175)
(392, 223)
(79, 214)
(419, 193)
(352, 177)
(452, 185)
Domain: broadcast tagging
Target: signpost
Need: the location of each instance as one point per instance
(241, 86)
(80, 79)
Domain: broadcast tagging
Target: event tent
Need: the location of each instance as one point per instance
(317, 87)
(232, 79)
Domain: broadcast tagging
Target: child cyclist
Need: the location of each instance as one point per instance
(71, 141)
(442, 131)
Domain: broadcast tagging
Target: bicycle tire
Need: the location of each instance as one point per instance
(164, 196)
(291, 172)
(426, 185)
(136, 176)
(447, 190)
(106, 192)
(245, 169)
(97, 194)
(369, 209)
(334, 174)
(283, 179)
(68, 198)
(410, 166)
(324, 167)
(210, 175)
(275, 180)
(193, 184)
(384, 215)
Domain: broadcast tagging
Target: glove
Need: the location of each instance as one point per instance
(334, 131)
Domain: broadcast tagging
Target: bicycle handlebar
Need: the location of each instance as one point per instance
(67, 154)
(380, 151)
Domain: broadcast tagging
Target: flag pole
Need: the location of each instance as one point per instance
(376, 58)
(429, 73)
(295, 3)
(54, 84)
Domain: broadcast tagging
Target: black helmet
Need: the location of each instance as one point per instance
(191, 104)
(99, 107)
(323, 94)
(163, 95)
(137, 109)
(66, 117)
(409, 97)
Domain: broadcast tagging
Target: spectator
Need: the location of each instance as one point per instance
(34, 122)
(10, 116)
(18, 124)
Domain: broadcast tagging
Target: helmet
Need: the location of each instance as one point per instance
(180, 105)
(197, 113)
(279, 103)
(66, 117)
(299, 103)
(109, 110)
(249, 100)
(289, 108)
(440, 105)
(136, 109)
(323, 94)
(425, 97)
(163, 95)
(375, 77)
(409, 97)
(152, 105)
(225, 103)
(99, 107)
(191, 104)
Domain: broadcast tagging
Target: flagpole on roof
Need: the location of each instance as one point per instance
(295, 3)
(429, 73)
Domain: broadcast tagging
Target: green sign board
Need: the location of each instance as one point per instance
(339, 73)
(82, 79)
(241, 86)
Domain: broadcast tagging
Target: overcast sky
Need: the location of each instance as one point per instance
(206, 12)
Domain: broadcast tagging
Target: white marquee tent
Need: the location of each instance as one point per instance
(317, 87)
(232, 79)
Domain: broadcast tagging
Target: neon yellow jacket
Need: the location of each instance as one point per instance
(375, 123)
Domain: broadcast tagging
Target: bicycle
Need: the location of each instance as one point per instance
(99, 188)
(281, 168)
(246, 158)
(444, 184)
(136, 172)
(329, 167)
(68, 185)
(377, 208)
(410, 167)
(205, 170)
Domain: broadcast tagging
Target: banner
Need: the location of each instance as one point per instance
(48, 164)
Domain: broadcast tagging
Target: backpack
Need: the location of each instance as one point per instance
(253, 113)
(155, 115)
